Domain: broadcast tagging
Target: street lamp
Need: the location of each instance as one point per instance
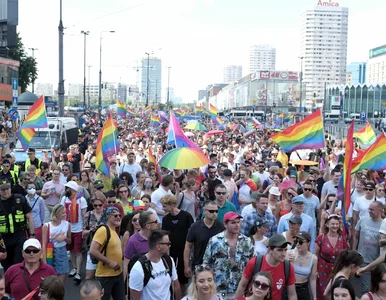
(167, 99)
(147, 82)
(61, 80)
(33, 79)
(85, 33)
(100, 72)
(89, 85)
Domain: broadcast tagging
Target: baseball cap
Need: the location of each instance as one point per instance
(304, 235)
(295, 219)
(31, 150)
(5, 184)
(277, 240)
(72, 185)
(262, 222)
(8, 155)
(298, 199)
(32, 243)
(274, 191)
(117, 181)
(98, 184)
(231, 216)
(370, 185)
(138, 205)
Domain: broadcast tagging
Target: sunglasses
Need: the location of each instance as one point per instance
(311, 180)
(369, 190)
(153, 222)
(167, 243)
(97, 205)
(292, 195)
(212, 211)
(203, 267)
(221, 193)
(29, 251)
(111, 202)
(299, 241)
(309, 190)
(116, 216)
(258, 284)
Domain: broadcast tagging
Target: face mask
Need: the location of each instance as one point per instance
(31, 191)
(148, 185)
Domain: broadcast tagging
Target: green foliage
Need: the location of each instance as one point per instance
(28, 71)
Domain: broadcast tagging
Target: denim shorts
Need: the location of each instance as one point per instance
(60, 262)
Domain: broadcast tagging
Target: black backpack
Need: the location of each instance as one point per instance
(257, 267)
(148, 268)
(90, 237)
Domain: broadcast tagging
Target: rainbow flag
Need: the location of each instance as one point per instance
(107, 146)
(373, 158)
(219, 120)
(344, 188)
(288, 118)
(366, 135)
(121, 109)
(131, 112)
(280, 117)
(307, 134)
(178, 113)
(203, 105)
(147, 109)
(198, 110)
(162, 117)
(155, 121)
(155, 162)
(25, 136)
(36, 116)
(176, 136)
(213, 113)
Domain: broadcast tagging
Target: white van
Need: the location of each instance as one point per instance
(331, 118)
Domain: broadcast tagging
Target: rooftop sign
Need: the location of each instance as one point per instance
(377, 51)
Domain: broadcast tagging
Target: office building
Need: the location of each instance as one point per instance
(8, 24)
(356, 73)
(154, 66)
(376, 65)
(201, 94)
(323, 49)
(262, 57)
(46, 89)
(232, 73)
(122, 92)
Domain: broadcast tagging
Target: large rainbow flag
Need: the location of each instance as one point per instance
(373, 158)
(121, 109)
(107, 146)
(366, 135)
(307, 134)
(36, 116)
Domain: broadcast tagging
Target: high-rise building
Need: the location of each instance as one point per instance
(323, 49)
(232, 73)
(356, 73)
(122, 92)
(262, 57)
(46, 89)
(9, 20)
(201, 94)
(154, 66)
(376, 65)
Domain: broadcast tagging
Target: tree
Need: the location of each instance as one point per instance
(28, 71)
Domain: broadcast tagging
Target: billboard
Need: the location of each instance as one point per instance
(377, 51)
(275, 75)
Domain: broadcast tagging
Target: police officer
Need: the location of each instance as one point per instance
(32, 160)
(5, 174)
(14, 214)
(14, 169)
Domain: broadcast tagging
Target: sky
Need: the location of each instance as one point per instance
(196, 38)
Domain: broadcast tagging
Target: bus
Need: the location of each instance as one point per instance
(246, 114)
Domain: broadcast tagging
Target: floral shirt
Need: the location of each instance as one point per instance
(227, 273)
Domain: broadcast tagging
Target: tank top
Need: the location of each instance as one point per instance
(56, 231)
(283, 211)
(303, 271)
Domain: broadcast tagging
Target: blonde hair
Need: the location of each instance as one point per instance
(169, 200)
(192, 290)
(58, 209)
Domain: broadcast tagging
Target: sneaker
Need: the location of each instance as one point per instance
(73, 272)
(77, 278)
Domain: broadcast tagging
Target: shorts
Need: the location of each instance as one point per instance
(76, 242)
(3, 146)
(60, 261)
(89, 265)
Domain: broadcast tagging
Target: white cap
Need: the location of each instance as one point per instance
(32, 243)
(274, 191)
(72, 185)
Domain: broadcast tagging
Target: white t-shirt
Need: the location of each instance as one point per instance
(78, 226)
(329, 188)
(55, 231)
(156, 197)
(157, 288)
(362, 206)
(262, 176)
(261, 247)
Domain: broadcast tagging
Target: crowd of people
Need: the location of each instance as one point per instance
(249, 225)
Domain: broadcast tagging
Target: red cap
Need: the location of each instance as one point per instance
(230, 216)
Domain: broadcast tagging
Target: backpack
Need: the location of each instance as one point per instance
(103, 251)
(257, 267)
(148, 268)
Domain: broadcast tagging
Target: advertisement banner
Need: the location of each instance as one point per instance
(275, 75)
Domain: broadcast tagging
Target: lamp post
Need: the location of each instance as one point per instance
(100, 72)
(33, 79)
(61, 80)
(85, 33)
(167, 98)
(147, 81)
(88, 92)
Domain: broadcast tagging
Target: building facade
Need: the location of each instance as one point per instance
(232, 73)
(376, 65)
(262, 57)
(46, 89)
(154, 65)
(9, 19)
(356, 73)
(323, 48)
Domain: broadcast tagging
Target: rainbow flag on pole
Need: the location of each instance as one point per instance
(176, 136)
(25, 136)
(36, 116)
(131, 112)
(107, 146)
(213, 113)
(198, 110)
(155, 121)
(307, 134)
(121, 109)
(366, 135)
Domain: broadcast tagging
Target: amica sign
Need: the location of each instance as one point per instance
(330, 3)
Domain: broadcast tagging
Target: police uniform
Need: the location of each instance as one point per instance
(15, 172)
(36, 162)
(13, 225)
